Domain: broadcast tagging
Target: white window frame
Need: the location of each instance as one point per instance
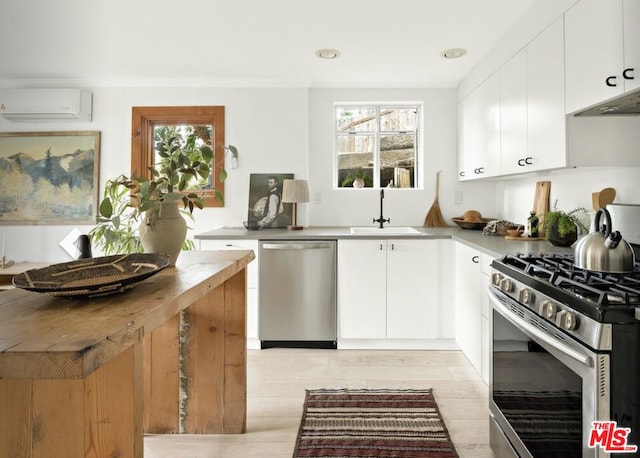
(379, 106)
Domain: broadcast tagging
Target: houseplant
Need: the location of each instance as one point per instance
(562, 228)
(358, 178)
(132, 207)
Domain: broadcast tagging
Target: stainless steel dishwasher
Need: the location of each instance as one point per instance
(297, 288)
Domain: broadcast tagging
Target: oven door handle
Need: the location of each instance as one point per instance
(535, 332)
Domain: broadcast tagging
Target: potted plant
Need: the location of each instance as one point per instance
(562, 228)
(358, 178)
(184, 166)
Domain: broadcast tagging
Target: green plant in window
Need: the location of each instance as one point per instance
(357, 174)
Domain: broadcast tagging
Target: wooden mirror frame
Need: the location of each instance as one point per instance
(143, 122)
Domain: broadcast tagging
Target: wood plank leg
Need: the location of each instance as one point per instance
(161, 379)
(98, 416)
(214, 361)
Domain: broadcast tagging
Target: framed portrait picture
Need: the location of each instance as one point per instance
(49, 177)
(265, 201)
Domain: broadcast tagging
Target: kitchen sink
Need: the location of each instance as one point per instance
(387, 230)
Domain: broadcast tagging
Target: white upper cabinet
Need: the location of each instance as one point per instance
(479, 134)
(631, 20)
(532, 115)
(546, 129)
(513, 114)
(602, 43)
(524, 131)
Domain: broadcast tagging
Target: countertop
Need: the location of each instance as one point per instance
(493, 245)
(48, 337)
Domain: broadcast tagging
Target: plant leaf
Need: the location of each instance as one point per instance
(106, 208)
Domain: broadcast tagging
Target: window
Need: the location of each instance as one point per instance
(194, 124)
(376, 143)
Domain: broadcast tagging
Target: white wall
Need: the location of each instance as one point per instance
(571, 188)
(269, 127)
(349, 207)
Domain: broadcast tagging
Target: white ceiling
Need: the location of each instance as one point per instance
(250, 42)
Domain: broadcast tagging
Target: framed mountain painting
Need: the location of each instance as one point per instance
(49, 177)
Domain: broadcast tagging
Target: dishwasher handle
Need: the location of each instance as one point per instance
(297, 246)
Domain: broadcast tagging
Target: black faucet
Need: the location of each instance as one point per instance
(381, 220)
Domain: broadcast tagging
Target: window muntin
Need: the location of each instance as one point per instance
(378, 141)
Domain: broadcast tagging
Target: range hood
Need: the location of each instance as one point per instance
(628, 104)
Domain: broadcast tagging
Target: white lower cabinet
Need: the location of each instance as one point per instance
(472, 311)
(485, 315)
(252, 282)
(390, 289)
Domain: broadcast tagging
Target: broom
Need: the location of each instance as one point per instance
(434, 216)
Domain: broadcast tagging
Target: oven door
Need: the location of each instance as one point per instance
(546, 388)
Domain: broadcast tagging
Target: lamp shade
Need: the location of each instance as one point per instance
(295, 191)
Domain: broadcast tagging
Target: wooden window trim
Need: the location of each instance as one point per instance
(143, 121)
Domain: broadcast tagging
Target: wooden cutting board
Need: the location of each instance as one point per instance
(541, 201)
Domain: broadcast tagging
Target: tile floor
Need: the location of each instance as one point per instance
(277, 379)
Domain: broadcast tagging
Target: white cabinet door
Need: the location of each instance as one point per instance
(464, 142)
(468, 303)
(485, 312)
(594, 52)
(631, 11)
(479, 154)
(362, 289)
(513, 114)
(545, 94)
(412, 289)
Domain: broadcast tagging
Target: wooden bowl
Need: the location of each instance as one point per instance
(475, 225)
(514, 232)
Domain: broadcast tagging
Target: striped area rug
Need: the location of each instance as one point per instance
(372, 423)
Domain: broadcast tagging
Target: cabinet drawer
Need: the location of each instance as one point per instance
(252, 268)
(485, 263)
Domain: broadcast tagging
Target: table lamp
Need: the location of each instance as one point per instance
(295, 192)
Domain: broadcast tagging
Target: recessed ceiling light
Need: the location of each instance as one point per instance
(453, 53)
(327, 53)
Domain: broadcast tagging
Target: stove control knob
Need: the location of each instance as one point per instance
(506, 285)
(548, 310)
(567, 320)
(495, 279)
(526, 296)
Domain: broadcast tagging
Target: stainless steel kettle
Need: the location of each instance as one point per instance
(604, 250)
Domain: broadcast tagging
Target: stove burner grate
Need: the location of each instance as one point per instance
(559, 270)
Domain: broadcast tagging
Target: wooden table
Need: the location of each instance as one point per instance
(87, 377)
(7, 273)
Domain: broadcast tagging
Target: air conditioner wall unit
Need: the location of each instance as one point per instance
(46, 104)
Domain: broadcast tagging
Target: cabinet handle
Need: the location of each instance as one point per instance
(626, 75)
(462, 173)
(475, 259)
(480, 170)
(528, 160)
(611, 81)
(521, 162)
(393, 247)
(381, 247)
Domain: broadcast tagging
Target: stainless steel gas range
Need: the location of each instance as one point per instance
(565, 364)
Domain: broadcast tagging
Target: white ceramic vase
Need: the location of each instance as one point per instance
(163, 229)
